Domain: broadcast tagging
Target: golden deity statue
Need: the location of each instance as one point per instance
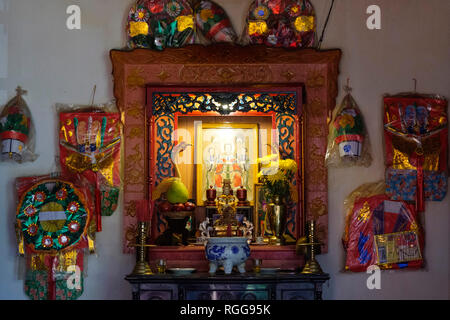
(227, 224)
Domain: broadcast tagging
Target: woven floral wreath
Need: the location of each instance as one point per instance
(53, 220)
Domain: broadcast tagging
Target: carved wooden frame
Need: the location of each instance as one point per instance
(223, 65)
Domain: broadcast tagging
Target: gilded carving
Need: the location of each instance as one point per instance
(130, 209)
(135, 79)
(316, 130)
(316, 178)
(317, 208)
(130, 233)
(163, 75)
(135, 132)
(225, 74)
(135, 110)
(289, 75)
(314, 154)
(315, 108)
(134, 170)
(315, 80)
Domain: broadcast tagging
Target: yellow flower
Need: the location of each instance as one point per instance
(279, 176)
(137, 28)
(345, 120)
(288, 165)
(205, 14)
(24, 121)
(257, 27)
(267, 160)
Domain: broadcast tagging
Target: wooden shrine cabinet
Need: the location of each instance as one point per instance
(148, 85)
(202, 286)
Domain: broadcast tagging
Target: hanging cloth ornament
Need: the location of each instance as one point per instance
(16, 130)
(158, 24)
(280, 23)
(416, 139)
(52, 225)
(348, 140)
(213, 23)
(380, 231)
(90, 145)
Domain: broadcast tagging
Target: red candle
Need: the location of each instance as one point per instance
(142, 210)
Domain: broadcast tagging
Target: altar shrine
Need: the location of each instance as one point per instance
(208, 105)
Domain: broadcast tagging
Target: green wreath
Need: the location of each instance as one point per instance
(53, 215)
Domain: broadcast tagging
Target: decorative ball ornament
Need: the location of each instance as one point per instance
(53, 215)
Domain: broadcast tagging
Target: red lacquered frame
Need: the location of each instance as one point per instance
(226, 65)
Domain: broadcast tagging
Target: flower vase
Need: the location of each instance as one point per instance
(277, 221)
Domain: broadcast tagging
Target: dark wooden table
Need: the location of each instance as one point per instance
(248, 286)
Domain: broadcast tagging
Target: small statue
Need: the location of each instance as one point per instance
(247, 229)
(205, 230)
(226, 225)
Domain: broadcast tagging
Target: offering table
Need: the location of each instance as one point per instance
(283, 285)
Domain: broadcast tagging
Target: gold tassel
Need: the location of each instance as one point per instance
(20, 240)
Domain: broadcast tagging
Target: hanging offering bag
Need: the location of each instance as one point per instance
(17, 131)
(416, 144)
(348, 140)
(380, 231)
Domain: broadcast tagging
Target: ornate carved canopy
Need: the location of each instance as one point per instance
(227, 65)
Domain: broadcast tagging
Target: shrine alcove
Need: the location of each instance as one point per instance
(227, 68)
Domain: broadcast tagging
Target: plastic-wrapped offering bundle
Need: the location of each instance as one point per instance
(158, 24)
(89, 145)
(17, 131)
(416, 139)
(53, 219)
(280, 23)
(348, 141)
(380, 231)
(213, 23)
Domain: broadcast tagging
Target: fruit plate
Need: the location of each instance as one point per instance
(178, 214)
(269, 270)
(181, 271)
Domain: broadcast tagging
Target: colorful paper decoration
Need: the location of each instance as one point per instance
(213, 22)
(281, 23)
(348, 141)
(158, 24)
(15, 130)
(382, 232)
(52, 223)
(416, 138)
(90, 145)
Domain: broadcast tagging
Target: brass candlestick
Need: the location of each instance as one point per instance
(142, 267)
(311, 266)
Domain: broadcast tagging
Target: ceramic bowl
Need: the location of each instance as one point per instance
(181, 271)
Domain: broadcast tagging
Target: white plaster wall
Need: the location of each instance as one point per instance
(58, 65)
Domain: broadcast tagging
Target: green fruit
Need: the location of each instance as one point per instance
(178, 193)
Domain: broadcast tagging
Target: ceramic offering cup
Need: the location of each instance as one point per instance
(227, 252)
